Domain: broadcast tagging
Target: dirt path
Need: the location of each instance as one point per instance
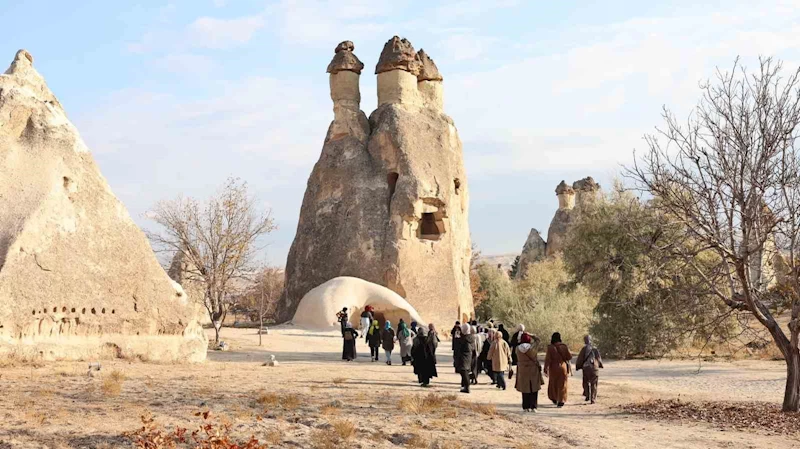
(57, 405)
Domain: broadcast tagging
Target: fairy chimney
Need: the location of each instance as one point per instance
(388, 199)
(572, 201)
(78, 278)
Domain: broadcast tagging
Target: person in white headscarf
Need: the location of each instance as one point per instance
(513, 343)
(479, 339)
(463, 349)
(590, 362)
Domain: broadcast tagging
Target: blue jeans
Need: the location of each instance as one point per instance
(388, 355)
(500, 378)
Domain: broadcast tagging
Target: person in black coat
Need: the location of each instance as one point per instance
(483, 363)
(349, 336)
(503, 331)
(464, 347)
(423, 354)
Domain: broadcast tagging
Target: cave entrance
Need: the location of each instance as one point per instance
(391, 180)
(431, 226)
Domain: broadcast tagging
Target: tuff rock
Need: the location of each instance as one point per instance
(387, 201)
(78, 279)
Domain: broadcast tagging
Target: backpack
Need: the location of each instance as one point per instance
(590, 359)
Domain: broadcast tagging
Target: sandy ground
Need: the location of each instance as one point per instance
(303, 400)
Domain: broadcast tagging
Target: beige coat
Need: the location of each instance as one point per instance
(529, 371)
(500, 355)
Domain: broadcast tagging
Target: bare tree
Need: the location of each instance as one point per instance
(263, 296)
(218, 241)
(730, 174)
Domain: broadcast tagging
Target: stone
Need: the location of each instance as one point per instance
(428, 70)
(318, 308)
(78, 278)
(534, 250)
(398, 54)
(388, 199)
(271, 361)
(572, 201)
(345, 60)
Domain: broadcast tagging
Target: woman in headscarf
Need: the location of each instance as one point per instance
(529, 372)
(479, 339)
(500, 355)
(462, 355)
(483, 362)
(424, 355)
(433, 334)
(349, 336)
(558, 369)
(387, 341)
(413, 327)
(374, 339)
(405, 337)
(513, 345)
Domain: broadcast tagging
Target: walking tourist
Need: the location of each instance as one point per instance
(483, 362)
(349, 336)
(455, 333)
(529, 372)
(464, 346)
(500, 355)
(423, 353)
(476, 354)
(590, 362)
(503, 331)
(387, 341)
(558, 369)
(374, 339)
(512, 344)
(405, 338)
(366, 319)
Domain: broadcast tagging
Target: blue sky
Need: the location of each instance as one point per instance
(174, 97)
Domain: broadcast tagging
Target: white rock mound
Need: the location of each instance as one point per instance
(318, 308)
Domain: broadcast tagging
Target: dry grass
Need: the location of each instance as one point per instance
(339, 380)
(265, 399)
(482, 409)
(452, 444)
(416, 404)
(112, 383)
(290, 401)
(417, 441)
(330, 410)
(274, 437)
(344, 429)
(324, 439)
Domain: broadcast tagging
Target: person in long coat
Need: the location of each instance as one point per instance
(349, 336)
(483, 362)
(374, 339)
(558, 369)
(462, 355)
(423, 354)
(455, 332)
(387, 341)
(476, 368)
(529, 372)
(405, 338)
(590, 362)
(500, 355)
(503, 331)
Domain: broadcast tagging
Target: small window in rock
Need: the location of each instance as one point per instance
(391, 179)
(72, 310)
(457, 184)
(55, 309)
(430, 227)
(94, 312)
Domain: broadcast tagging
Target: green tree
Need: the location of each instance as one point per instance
(514, 268)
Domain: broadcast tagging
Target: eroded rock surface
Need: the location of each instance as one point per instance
(534, 250)
(572, 201)
(78, 278)
(387, 202)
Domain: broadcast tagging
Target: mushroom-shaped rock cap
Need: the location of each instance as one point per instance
(21, 59)
(398, 54)
(587, 183)
(563, 187)
(344, 59)
(428, 70)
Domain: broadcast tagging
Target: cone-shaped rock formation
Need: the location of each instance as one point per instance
(78, 278)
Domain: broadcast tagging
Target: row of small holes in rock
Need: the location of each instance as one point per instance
(83, 311)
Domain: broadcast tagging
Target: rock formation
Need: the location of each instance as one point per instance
(387, 201)
(571, 201)
(78, 279)
(318, 308)
(535, 249)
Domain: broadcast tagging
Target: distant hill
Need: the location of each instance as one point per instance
(504, 260)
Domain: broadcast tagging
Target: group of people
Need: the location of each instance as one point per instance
(481, 348)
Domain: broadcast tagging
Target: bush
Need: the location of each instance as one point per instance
(545, 301)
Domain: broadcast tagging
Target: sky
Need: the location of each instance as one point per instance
(173, 97)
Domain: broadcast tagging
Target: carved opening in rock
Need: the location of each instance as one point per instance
(457, 184)
(72, 310)
(431, 227)
(55, 309)
(64, 309)
(66, 182)
(391, 179)
(113, 311)
(83, 311)
(94, 312)
(103, 311)
(34, 312)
